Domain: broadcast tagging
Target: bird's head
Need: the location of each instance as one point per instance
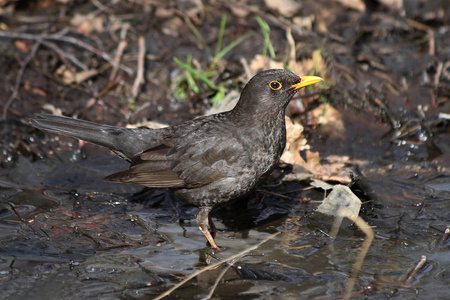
(271, 91)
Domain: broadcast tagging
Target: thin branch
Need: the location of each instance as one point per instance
(216, 283)
(119, 53)
(66, 39)
(419, 266)
(65, 56)
(213, 266)
(443, 239)
(140, 73)
(19, 78)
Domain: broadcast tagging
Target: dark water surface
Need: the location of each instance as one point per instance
(66, 234)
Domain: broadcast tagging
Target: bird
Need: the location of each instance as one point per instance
(206, 161)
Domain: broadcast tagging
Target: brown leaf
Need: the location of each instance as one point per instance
(295, 142)
(39, 92)
(22, 46)
(261, 62)
(330, 119)
(286, 8)
(358, 5)
(85, 75)
(172, 26)
(87, 23)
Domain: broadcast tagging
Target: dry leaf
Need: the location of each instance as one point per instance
(393, 4)
(239, 11)
(67, 76)
(313, 161)
(286, 8)
(330, 120)
(22, 46)
(304, 21)
(51, 108)
(340, 197)
(305, 66)
(172, 26)
(358, 5)
(87, 24)
(320, 184)
(84, 75)
(148, 124)
(261, 62)
(38, 91)
(295, 142)
(163, 13)
(26, 86)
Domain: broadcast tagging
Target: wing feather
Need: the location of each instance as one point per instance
(187, 160)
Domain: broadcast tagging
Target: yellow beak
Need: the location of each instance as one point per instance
(305, 81)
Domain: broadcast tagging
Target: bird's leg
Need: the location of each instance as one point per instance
(212, 227)
(203, 220)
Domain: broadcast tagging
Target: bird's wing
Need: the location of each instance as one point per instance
(185, 161)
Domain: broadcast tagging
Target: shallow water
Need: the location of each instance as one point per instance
(70, 235)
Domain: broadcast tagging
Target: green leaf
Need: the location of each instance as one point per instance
(223, 22)
(233, 44)
(218, 96)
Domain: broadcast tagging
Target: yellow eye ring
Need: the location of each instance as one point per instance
(275, 85)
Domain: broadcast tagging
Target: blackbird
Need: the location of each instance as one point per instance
(208, 160)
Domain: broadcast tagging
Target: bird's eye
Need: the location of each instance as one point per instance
(275, 85)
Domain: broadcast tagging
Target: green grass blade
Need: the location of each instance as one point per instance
(265, 28)
(218, 96)
(196, 73)
(230, 46)
(223, 22)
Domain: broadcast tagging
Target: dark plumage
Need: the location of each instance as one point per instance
(208, 160)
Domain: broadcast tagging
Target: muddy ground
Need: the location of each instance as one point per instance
(379, 122)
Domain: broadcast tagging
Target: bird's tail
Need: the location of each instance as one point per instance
(118, 139)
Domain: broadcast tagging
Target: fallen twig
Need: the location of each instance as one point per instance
(279, 21)
(19, 77)
(246, 67)
(66, 39)
(419, 266)
(65, 55)
(120, 48)
(193, 29)
(216, 283)
(11, 205)
(292, 62)
(275, 194)
(443, 239)
(237, 256)
(101, 6)
(428, 30)
(140, 72)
